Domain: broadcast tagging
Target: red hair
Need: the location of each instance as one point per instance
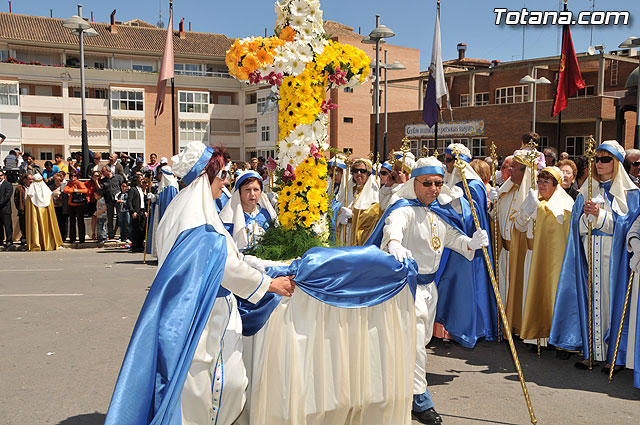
(216, 163)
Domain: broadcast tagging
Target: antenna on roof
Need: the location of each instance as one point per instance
(160, 24)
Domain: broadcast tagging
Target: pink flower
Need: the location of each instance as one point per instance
(327, 105)
(271, 164)
(315, 152)
(288, 175)
(274, 79)
(338, 77)
(255, 77)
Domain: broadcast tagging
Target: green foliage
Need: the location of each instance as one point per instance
(279, 244)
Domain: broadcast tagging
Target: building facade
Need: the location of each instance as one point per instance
(490, 104)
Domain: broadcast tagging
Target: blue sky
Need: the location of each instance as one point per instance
(469, 21)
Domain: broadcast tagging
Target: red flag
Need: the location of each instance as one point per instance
(569, 78)
(166, 71)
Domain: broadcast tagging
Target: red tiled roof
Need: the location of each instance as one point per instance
(144, 38)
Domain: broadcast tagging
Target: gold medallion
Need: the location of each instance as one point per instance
(435, 243)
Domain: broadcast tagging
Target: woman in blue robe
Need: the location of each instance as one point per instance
(248, 213)
(611, 211)
(184, 361)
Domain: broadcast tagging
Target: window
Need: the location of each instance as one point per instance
(348, 89)
(127, 100)
(191, 131)
(251, 128)
(516, 94)
(46, 155)
(585, 91)
(99, 65)
(24, 90)
(575, 145)
(78, 93)
(478, 146)
(225, 99)
(127, 129)
(196, 102)
(8, 94)
(188, 69)
(100, 93)
(143, 68)
(544, 143)
(251, 98)
(348, 120)
(262, 102)
(266, 135)
(464, 100)
(4, 55)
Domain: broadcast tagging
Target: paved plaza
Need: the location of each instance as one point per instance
(66, 317)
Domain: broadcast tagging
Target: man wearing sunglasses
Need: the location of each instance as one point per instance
(632, 164)
(402, 164)
(416, 228)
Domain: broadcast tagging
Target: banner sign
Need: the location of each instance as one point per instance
(447, 129)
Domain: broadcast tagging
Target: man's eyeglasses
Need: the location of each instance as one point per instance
(430, 183)
(603, 159)
(449, 159)
(359, 171)
(384, 173)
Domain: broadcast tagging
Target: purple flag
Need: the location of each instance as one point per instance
(431, 107)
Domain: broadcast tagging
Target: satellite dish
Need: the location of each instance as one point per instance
(160, 24)
(591, 50)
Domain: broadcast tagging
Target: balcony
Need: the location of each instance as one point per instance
(37, 135)
(46, 104)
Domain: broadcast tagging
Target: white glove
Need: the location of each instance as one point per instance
(493, 194)
(530, 204)
(398, 251)
(260, 264)
(634, 263)
(479, 239)
(498, 177)
(151, 197)
(273, 198)
(346, 212)
(343, 219)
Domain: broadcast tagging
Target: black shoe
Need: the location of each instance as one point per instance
(617, 369)
(428, 417)
(581, 366)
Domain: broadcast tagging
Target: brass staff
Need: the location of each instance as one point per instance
(405, 149)
(460, 165)
(424, 152)
(590, 152)
(347, 162)
(624, 313)
(496, 233)
(146, 230)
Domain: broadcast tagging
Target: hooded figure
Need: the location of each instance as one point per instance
(167, 190)
(43, 233)
(612, 210)
(247, 226)
(360, 204)
(550, 210)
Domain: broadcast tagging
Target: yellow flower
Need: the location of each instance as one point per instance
(297, 204)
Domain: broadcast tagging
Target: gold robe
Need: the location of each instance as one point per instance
(546, 261)
(41, 224)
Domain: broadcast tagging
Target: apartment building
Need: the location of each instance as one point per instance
(490, 104)
(40, 109)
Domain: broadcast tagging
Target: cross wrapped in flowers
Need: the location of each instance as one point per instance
(301, 64)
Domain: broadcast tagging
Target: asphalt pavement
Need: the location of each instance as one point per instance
(66, 318)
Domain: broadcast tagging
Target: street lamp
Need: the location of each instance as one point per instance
(629, 43)
(81, 27)
(395, 66)
(377, 35)
(527, 79)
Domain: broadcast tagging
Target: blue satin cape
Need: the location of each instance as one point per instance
(221, 201)
(164, 198)
(167, 331)
(467, 318)
(570, 323)
(347, 277)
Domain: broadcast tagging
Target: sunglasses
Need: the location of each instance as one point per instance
(222, 174)
(359, 171)
(429, 183)
(636, 164)
(449, 159)
(603, 159)
(384, 173)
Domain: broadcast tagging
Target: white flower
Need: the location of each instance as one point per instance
(299, 8)
(319, 129)
(299, 152)
(302, 132)
(297, 66)
(303, 50)
(298, 22)
(317, 45)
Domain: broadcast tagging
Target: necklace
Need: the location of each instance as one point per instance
(436, 243)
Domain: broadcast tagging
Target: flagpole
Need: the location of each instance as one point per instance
(173, 97)
(435, 133)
